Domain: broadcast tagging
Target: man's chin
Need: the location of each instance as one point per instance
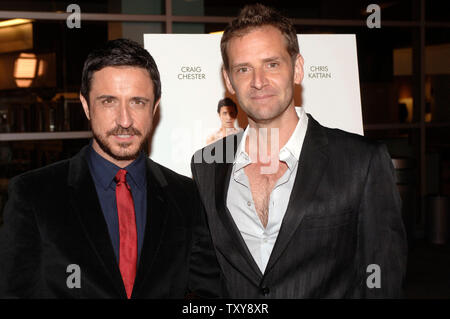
(120, 152)
(125, 154)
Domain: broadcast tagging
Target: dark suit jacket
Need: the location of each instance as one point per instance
(53, 219)
(344, 214)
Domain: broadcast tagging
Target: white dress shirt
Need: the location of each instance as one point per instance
(260, 240)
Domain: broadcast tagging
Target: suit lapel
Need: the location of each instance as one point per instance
(155, 225)
(312, 163)
(232, 244)
(85, 202)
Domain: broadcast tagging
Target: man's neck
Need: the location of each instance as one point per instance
(224, 129)
(272, 135)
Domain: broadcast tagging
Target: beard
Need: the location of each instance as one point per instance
(126, 155)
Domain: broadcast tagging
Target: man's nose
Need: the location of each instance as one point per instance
(124, 118)
(259, 78)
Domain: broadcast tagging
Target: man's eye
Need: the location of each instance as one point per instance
(242, 70)
(138, 102)
(107, 101)
(272, 65)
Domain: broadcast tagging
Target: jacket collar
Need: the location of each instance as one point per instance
(85, 202)
(312, 162)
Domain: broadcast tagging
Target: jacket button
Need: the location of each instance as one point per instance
(265, 291)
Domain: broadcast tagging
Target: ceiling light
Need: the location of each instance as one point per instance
(11, 22)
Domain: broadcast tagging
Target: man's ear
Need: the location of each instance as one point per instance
(85, 106)
(227, 81)
(155, 107)
(298, 69)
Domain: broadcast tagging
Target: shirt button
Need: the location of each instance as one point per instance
(249, 203)
(265, 240)
(265, 291)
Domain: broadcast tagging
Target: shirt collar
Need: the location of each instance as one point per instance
(104, 171)
(289, 153)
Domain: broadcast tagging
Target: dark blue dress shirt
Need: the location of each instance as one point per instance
(103, 173)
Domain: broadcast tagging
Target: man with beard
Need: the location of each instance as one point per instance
(109, 222)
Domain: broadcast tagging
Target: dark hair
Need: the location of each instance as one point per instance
(119, 52)
(226, 102)
(254, 16)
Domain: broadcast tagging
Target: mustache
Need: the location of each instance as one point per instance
(261, 93)
(118, 130)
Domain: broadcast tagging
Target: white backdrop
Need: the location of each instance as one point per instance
(192, 85)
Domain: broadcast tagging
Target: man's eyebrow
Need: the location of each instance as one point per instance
(135, 98)
(101, 97)
(140, 98)
(238, 65)
(269, 59)
(272, 59)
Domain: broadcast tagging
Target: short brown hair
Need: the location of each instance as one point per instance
(254, 16)
(227, 102)
(119, 52)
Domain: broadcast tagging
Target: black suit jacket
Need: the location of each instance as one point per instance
(53, 219)
(344, 214)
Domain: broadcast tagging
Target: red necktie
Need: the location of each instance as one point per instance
(127, 231)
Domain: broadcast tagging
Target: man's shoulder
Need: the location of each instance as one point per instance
(344, 145)
(178, 189)
(347, 146)
(166, 176)
(221, 150)
(340, 138)
(44, 175)
(214, 136)
(51, 178)
(339, 135)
